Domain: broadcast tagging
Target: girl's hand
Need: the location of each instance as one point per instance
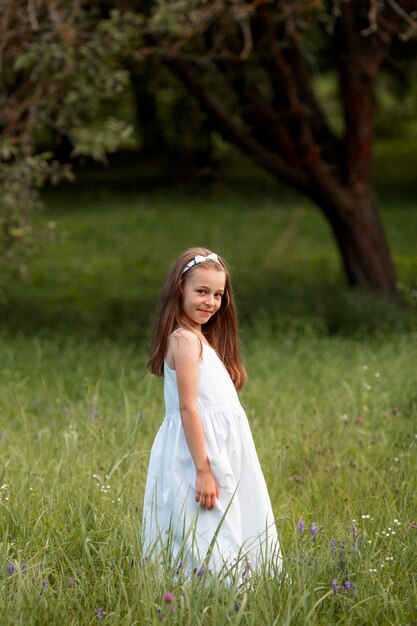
(206, 489)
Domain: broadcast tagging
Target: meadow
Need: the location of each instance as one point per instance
(331, 399)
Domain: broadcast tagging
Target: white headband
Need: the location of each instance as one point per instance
(200, 259)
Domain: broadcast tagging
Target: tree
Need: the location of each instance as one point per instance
(262, 55)
(250, 65)
(59, 64)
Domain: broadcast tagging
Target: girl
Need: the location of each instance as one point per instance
(206, 500)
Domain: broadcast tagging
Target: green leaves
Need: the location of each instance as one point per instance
(62, 69)
(111, 136)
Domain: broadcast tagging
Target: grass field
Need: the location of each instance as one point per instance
(331, 399)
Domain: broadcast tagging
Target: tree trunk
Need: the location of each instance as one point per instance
(290, 138)
(357, 228)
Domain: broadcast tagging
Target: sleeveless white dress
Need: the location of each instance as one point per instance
(240, 528)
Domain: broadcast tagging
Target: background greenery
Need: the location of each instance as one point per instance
(331, 399)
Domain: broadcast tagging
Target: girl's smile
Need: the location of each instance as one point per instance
(202, 294)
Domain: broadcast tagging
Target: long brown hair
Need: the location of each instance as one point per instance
(220, 330)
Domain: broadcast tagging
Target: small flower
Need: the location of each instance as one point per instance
(10, 568)
(201, 571)
(334, 585)
(333, 545)
(313, 531)
(23, 567)
(300, 526)
(71, 583)
(100, 612)
(168, 598)
(358, 420)
(349, 585)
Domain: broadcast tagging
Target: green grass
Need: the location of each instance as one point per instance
(332, 450)
(331, 399)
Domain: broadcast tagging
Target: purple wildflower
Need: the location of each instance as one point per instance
(300, 526)
(349, 585)
(334, 585)
(23, 567)
(100, 612)
(168, 597)
(201, 571)
(10, 568)
(333, 546)
(313, 531)
(71, 583)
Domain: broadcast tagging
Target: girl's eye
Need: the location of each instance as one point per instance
(201, 290)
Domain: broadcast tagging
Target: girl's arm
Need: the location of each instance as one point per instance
(185, 352)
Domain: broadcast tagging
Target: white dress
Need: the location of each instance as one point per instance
(240, 528)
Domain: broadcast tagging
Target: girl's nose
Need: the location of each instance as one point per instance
(209, 299)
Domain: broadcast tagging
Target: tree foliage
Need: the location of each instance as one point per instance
(251, 67)
(59, 64)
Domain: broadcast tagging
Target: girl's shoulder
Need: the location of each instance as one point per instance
(183, 338)
(183, 334)
(182, 343)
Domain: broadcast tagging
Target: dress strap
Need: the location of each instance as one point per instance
(177, 330)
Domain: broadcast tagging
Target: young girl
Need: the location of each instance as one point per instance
(206, 501)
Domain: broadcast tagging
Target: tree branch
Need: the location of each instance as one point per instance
(304, 117)
(359, 61)
(233, 133)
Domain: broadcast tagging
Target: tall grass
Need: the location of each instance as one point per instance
(331, 399)
(334, 424)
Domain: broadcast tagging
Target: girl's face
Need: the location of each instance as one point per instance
(202, 295)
